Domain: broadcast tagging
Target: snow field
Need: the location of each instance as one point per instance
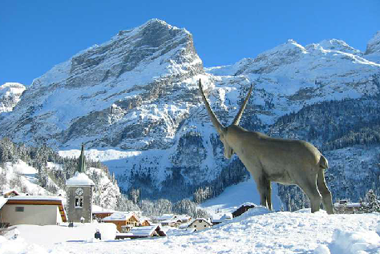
(257, 231)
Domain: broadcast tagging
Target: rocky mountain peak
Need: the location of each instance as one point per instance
(10, 94)
(133, 71)
(373, 46)
(338, 45)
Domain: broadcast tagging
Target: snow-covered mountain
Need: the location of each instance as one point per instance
(134, 100)
(10, 94)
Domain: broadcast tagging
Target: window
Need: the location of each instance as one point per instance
(19, 209)
(78, 202)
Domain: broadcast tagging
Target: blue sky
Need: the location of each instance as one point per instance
(36, 35)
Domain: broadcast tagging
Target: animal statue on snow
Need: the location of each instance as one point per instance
(270, 159)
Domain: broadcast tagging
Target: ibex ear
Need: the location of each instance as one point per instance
(240, 113)
(218, 126)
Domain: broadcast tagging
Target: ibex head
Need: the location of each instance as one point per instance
(223, 131)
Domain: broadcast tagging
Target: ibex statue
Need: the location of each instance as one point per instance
(270, 159)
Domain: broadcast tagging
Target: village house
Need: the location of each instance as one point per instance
(346, 207)
(99, 213)
(199, 224)
(123, 221)
(221, 217)
(142, 232)
(172, 220)
(36, 210)
(9, 193)
(242, 209)
(144, 221)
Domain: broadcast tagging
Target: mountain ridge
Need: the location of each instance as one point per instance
(138, 93)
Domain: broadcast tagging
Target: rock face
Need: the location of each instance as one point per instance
(10, 94)
(373, 48)
(138, 94)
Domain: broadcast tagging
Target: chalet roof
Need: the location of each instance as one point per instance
(41, 198)
(243, 208)
(166, 217)
(119, 216)
(200, 220)
(246, 204)
(79, 179)
(356, 205)
(145, 231)
(99, 209)
(8, 192)
(37, 200)
(3, 201)
(220, 217)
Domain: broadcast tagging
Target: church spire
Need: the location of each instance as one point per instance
(82, 161)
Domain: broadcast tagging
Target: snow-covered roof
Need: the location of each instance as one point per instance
(119, 216)
(44, 198)
(200, 220)
(356, 205)
(80, 179)
(144, 231)
(99, 209)
(3, 201)
(166, 217)
(220, 217)
(7, 192)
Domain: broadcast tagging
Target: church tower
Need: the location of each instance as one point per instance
(79, 193)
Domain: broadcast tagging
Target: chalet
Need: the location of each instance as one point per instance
(221, 217)
(145, 222)
(346, 207)
(199, 224)
(123, 221)
(9, 193)
(172, 220)
(165, 217)
(99, 213)
(35, 210)
(142, 232)
(242, 209)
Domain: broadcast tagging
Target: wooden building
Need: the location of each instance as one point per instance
(123, 221)
(142, 232)
(242, 209)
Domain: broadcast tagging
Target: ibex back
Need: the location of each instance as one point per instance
(272, 159)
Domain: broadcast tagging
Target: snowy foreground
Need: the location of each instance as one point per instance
(257, 231)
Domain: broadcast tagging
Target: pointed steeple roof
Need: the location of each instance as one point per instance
(82, 162)
(80, 178)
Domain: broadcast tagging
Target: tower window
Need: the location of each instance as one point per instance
(78, 202)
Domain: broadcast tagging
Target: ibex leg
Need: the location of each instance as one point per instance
(309, 186)
(326, 194)
(264, 188)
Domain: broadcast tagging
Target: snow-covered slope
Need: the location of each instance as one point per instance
(256, 231)
(10, 94)
(135, 99)
(234, 196)
(24, 179)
